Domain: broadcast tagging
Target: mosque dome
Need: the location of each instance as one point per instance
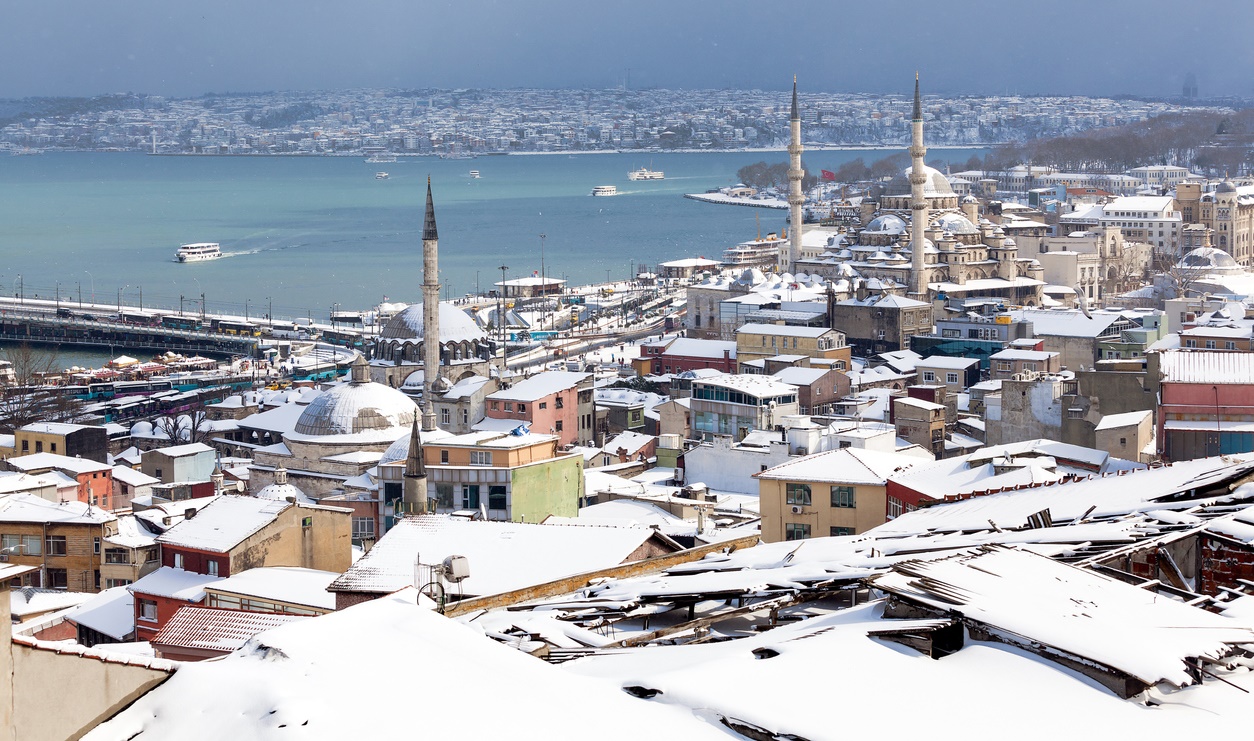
(935, 185)
(886, 224)
(954, 223)
(968, 198)
(455, 325)
(141, 429)
(281, 491)
(1226, 186)
(356, 407)
(1209, 260)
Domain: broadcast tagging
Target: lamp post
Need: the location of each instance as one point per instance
(270, 311)
(500, 316)
(246, 310)
(58, 295)
(21, 290)
(93, 286)
(120, 290)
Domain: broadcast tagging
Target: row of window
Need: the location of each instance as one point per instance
(800, 494)
(1212, 344)
(720, 393)
(801, 531)
(34, 545)
(211, 566)
(509, 406)
(930, 377)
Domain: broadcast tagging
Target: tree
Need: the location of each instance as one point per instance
(188, 426)
(29, 399)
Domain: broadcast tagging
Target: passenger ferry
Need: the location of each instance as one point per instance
(381, 157)
(199, 251)
(605, 190)
(756, 253)
(645, 173)
(474, 174)
(380, 176)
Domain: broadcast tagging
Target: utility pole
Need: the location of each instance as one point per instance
(58, 295)
(80, 293)
(500, 316)
(80, 301)
(141, 298)
(202, 306)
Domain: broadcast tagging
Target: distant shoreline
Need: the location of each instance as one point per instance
(406, 155)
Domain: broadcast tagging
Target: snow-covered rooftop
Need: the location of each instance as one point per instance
(223, 523)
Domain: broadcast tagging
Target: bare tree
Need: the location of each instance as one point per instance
(185, 426)
(29, 398)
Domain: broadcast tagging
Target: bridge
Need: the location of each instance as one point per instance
(42, 322)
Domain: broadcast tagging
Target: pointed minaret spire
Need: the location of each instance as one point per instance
(796, 113)
(430, 313)
(796, 199)
(414, 491)
(918, 103)
(428, 224)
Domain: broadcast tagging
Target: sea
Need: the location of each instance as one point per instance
(303, 236)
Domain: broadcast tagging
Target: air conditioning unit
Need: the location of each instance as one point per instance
(797, 509)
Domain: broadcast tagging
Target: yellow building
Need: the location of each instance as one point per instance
(757, 341)
(837, 492)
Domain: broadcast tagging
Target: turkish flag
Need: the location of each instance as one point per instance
(829, 175)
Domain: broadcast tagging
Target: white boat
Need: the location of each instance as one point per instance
(605, 190)
(381, 157)
(380, 175)
(756, 253)
(474, 174)
(199, 251)
(645, 173)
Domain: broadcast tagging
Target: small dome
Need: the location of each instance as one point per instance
(886, 224)
(1209, 260)
(955, 224)
(455, 325)
(358, 406)
(141, 429)
(968, 198)
(1226, 187)
(281, 491)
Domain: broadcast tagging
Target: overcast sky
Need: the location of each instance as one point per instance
(180, 48)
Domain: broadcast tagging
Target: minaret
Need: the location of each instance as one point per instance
(430, 313)
(795, 198)
(414, 493)
(918, 204)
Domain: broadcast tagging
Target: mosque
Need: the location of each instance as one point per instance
(927, 240)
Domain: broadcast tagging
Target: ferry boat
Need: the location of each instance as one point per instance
(380, 176)
(474, 174)
(605, 190)
(381, 157)
(645, 173)
(756, 253)
(199, 251)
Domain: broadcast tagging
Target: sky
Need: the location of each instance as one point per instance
(982, 47)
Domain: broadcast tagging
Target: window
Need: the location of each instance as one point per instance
(95, 546)
(495, 406)
(446, 416)
(557, 426)
(54, 449)
(111, 583)
(470, 496)
(951, 378)
(1230, 345)
(55, 545)
(26, 446)
(148, 610)
(465, 416)
(307, 521)
(838, 531)
(444, 457)
(117, 555)
(522, 408)
(480, 457)
(796, 531)
(544, 405)
(39, 446)
(363, 528)
(509, 406)
(178, 560)
(57, 579)
(1005, 365)
(559, 403)
(843, 496)
(797, 494)
(157, 472)
(212, 568)
(929, 377)
(1210, 344)
(1190, 343)
(496, 497)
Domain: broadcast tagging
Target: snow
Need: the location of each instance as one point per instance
(174, 584)
(541, 386)
(843, 466)
(503, 556)
(283, 685)
(217, 630)
(112, 612)
(224, 522)
(289, 584)
(31, 601)
(30, 508)
(132, 533)
(1115, 421)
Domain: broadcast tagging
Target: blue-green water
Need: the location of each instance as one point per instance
(303, 234)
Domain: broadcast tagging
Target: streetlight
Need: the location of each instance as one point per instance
(18, 288)
(500, 317)
(120, 290)
(93, 286)
(58, 295)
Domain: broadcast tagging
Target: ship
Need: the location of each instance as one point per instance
(199, 251)
(645, 173)
(381, 158)
(605, 190)
(380, 175)
(762, 252)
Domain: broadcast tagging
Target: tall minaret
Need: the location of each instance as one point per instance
(430, 313)
(795, 198)
(414, 493)
(918, 204)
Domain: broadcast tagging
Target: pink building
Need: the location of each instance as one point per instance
(551, 402)
(1206, 403)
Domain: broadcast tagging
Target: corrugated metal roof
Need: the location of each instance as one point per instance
(217, 630)
(1182, 366)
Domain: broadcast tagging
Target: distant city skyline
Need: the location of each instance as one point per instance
(981, 47)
